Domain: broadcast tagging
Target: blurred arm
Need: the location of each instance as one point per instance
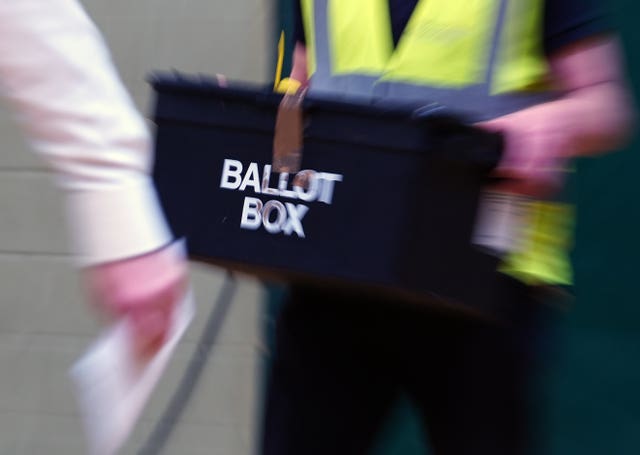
(594, 115)
(597, 107)
(58, 75)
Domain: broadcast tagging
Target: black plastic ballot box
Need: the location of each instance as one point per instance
(385, 202)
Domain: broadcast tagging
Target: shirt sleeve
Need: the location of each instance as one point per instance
(58, 75)
(568, 21)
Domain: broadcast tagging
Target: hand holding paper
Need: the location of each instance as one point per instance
(114, 381)
(142, 289)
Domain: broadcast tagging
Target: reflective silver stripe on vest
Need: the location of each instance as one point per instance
(478, 103)
(321, 79)
(475, 99)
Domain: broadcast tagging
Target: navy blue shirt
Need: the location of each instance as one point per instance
(565, 21)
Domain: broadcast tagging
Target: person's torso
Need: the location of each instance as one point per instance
(481, 56)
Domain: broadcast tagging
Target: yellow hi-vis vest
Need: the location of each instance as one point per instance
(480, 56)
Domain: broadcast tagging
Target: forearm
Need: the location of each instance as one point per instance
(58, 75)
(592, 120)
(593, 115)
(596, 110)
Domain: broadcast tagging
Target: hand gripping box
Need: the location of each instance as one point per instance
(385, 200)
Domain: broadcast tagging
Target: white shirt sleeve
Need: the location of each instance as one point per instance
(58, 74)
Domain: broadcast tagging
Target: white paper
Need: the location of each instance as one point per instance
(112, 387)
(500, 222)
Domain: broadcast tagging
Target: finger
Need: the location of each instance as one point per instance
(151, 318)
(536, 185)
(222, 80)
(514, 162)
(150, 326)
(525, 157)
(497, 125)
(521, 188)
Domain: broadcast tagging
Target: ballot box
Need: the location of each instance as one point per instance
(385, 201)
